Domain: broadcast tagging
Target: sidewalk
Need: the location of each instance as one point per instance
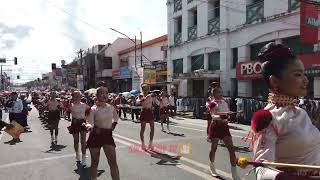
(189, 117)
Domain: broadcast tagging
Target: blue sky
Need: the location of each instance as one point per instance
(40, 32)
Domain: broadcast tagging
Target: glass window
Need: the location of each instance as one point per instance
(214, 61)
(197, 62)
(178, 66)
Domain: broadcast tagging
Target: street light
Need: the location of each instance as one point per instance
(135, 45)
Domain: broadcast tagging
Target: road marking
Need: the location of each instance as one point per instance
(203, 166)
(36, 161)
(181, 138)
(200, 130)
(205, 126)
(178, 165)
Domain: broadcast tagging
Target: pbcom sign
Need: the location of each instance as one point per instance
(249, 70)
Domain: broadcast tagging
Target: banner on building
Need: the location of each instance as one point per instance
(122, 73)
(308, 19)
(137, 78)
(149, 76)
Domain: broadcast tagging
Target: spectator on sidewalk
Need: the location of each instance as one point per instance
(15, 108)
(172, 104)
(122, 106)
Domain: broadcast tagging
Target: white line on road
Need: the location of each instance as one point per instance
(178, 165)
(200, 130)
(203, 166)
(36, 161)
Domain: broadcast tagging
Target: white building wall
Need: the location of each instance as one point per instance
(234, 34)
(118, 45)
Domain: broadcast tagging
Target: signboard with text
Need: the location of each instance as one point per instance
(308, 21)
(249, 70)
(149, 76)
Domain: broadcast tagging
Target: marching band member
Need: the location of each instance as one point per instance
(164, 113)
(284, 132)
(146, 116)
(219, 130)
(53, 116)
(79, 112)
(102, 121)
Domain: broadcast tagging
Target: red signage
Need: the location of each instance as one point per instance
(308, 33)
(249, 70)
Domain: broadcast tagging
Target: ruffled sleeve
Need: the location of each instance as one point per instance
(265, 139)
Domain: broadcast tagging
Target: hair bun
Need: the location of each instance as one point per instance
(274, 52)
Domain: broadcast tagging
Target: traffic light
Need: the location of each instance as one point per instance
(38, 79)
(18, 77)
(53, 66)
(15, 60)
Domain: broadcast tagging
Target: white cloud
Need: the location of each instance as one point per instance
(61, 27)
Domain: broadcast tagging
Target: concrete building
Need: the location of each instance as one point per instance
(212, 40)
(153, 58)
(107, 63)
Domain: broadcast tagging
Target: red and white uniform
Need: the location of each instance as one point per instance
(54, 113)
(219, 127)
(164, 103)
(147, 103)
(289, 137)
(79, 112)
(102, 118)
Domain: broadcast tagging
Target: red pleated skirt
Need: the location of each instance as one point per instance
(146, 115)
(53, 119)
(219, 129)
(99, 137)
(77, 126)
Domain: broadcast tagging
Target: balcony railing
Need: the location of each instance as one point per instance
(177, 38)
(214, 25)
(293, 5)
(177, 5)
(189, 1)
(192, 32)
(255, 12)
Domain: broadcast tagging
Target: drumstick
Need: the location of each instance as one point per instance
(243, 162)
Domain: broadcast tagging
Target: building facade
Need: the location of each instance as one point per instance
(218, 40)
(151, 63)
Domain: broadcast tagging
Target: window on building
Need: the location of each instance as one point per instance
(124, 62)
(105, 62)
(178, 23)
(234, 57)
(217, 8)
(195, 17)
(295, 44)
(178, 66)
(197, 62)
(214, 61)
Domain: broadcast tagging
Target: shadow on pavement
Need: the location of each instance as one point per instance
(56, 148)
(165, 159)
(83, 172)
(13, 142)
(240, 149)
(176, 134)
(235, 128)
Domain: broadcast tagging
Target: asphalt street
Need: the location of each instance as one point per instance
(181, 154)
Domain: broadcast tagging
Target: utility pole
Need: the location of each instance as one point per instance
(141, 48)
(81, 68)
(135, 52)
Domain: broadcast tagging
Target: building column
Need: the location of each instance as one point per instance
(225, 81)
(187, 64)
(206, 61)
(244, 86)
(316, 87)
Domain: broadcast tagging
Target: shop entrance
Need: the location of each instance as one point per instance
(198, 90)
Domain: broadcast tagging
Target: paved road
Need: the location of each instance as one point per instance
(35, 159)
